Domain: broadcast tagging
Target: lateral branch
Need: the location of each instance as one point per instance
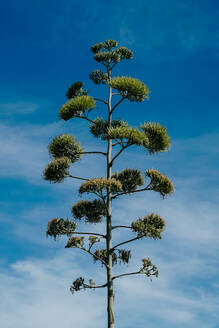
(124, 242)
(91, 287)
(126, 274)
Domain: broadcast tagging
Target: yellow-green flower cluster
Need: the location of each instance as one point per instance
(97, 185)
(100, 128)
(75, 242)
(93, 240)
(92, 211)
(130, 88)
(130, 179)
(157, 136)
(57, 227)
(160, 183)
(57, 170)
(133, 136)
(65, 145)
(148, 268)
(76, 107)
(150, 226)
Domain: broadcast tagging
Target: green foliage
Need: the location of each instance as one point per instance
(99, 77)
(76, 107)
(75, 90)
(160, 183)
(157, 136)
(77, 285)
(130, 179)
(148, 268)
(57, 227)
(93, 211)
(97, 47)
(150, 226)
(77, 242)
(97, 185)
(110, 56)
(57, 170)
(124, 53)
(109, 44)
(99, 129)
(65, 145)
(133, 136)
(130, 88)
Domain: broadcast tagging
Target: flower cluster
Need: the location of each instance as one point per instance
(132, 136)
(159, 182)
(148, 268)
(75, 242)
(157, 136)
(105, 54)
(97, 185)
(100, 128)
(130, 179)
(65, 145)
(150, 226)
(75, 90)
(76, 107)
(77, 285)
(98, 77)
(101, 254)
(93, 240)
(92, 211)
(130, 88)
(124, 255)
(57, 170)
(57, 227)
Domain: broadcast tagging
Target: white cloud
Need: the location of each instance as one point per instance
(34, 292)
(24, 151)
(18, 107)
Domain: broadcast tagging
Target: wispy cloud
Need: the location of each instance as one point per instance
(18, 107)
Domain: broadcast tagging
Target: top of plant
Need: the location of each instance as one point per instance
(108, 54)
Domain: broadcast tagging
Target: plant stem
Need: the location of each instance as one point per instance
(110, 294)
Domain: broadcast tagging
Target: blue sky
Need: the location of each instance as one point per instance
(44, 48)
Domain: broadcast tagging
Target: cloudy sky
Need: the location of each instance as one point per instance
(44, 48)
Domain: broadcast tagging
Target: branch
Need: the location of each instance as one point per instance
(125, 242)
(117, 104)
(116, 94)
(94, 152)
(121, 226)
(101, 100)
(91, 287)
(120, 143)
(72, 176)
(89, 233)
(128, 192)
(85, 118)
(126, 274)
(121, 150)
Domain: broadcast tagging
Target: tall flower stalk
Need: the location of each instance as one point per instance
(118, 135)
